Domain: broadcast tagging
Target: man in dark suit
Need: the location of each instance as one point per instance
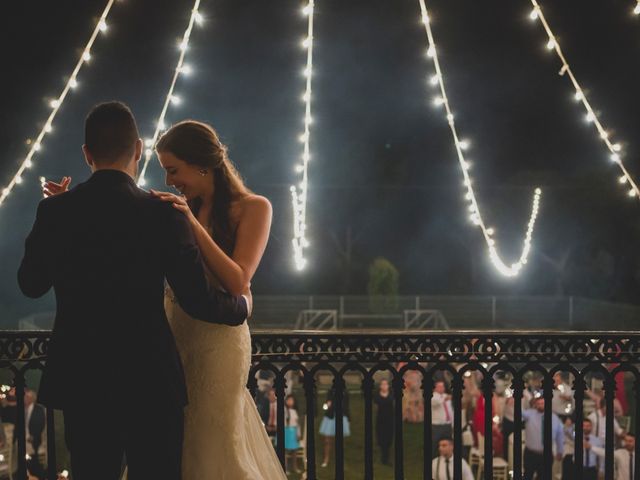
(106, 247)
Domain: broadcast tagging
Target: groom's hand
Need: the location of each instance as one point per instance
(49, 188)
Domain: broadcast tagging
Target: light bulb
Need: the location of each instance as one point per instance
(434, 80)
(102, 26)
(551, 44)
(86, 56)
(438, 101)
(534, 14)
(623, 179)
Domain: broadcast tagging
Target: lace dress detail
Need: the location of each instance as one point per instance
(224, 437)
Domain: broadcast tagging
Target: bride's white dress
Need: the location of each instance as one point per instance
(224, 437)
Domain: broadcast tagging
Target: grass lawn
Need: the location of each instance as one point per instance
(354, 446)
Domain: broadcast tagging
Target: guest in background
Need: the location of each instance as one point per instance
(563, 403)
(533, 428)
(292, 433)
(34, 420)
(384, 420)
(599, 421)
(591, 460)
(441, 416)
(624, 459)
(442, 465)
(412, 400)
(328, 425)
(272, 422)
(263, 405)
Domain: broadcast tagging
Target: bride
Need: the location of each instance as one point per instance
(224, 437)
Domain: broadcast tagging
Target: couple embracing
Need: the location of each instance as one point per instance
(150, 350)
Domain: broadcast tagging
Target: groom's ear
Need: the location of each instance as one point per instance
(139, 146)
(88, 157)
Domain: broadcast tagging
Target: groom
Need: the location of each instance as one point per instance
(106, 247)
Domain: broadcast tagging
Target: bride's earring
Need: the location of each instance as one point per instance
(203, 172)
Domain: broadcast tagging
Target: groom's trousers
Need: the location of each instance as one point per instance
(149, 433)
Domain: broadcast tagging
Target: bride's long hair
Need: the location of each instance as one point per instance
(197, 143)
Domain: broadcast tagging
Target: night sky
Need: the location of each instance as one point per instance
(384, 166)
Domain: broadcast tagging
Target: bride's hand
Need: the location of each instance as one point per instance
(49, 188)
(179, 202)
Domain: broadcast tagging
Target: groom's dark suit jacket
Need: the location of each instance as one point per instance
(106, 248)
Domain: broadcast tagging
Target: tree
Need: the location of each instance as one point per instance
(383, 286)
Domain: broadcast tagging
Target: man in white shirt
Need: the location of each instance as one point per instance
(442, 465)
(599, 421)
(534, 447)
(441, 416)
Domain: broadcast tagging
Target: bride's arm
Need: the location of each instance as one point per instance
(235, 272)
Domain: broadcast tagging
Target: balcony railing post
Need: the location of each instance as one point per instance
(52, 472)
(367, 387)
(518, 389)
(579, 387)
(636, 389)
(309, 392)
(21, 429)
(457, 385)
(609, 393)
(280, 384)
(339, 392)
(427, 395)
(487, 391)
(547, 386)
(398, 392)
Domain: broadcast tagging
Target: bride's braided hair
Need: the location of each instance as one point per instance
(197, 143)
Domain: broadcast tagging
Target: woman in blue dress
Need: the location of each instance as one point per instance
(328, 424)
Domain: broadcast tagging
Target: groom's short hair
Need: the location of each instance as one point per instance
(110, 131)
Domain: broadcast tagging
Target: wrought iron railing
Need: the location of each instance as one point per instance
(582, 354)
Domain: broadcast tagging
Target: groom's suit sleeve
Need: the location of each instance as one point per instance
(185, 274)
(34, 275)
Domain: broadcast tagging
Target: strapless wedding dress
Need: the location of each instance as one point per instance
(224, 437)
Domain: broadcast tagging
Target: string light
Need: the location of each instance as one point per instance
(636, 10)
(56, 104)
(590, 116)
(299, 193)
(181, 68)
(461, 145)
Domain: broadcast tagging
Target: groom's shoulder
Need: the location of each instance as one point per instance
(158, 209)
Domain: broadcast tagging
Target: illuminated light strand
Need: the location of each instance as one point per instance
(474, 208)
(299, 192)
(636, 9)
(615, 149)
(181, 68)
(56, 104)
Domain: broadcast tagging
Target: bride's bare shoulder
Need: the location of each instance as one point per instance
(250, 206)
